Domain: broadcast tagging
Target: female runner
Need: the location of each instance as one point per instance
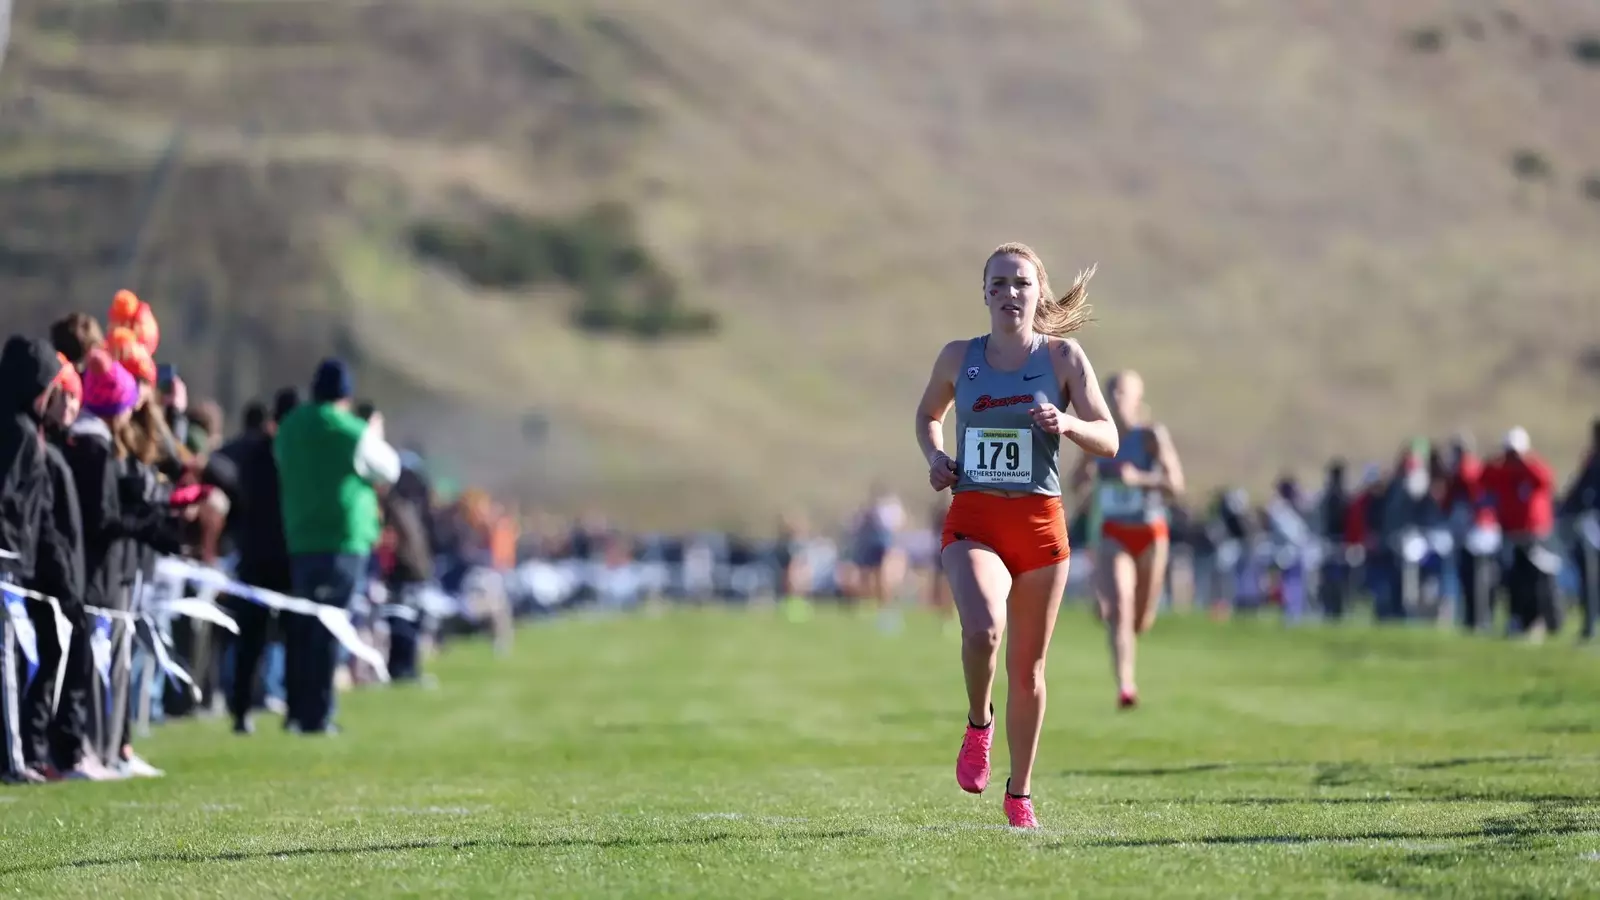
(1132, 491)
(1005, 539)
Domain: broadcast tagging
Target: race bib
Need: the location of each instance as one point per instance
(1118, 499)
(998, 455)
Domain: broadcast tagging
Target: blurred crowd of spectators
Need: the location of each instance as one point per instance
(109, 471)
(1442, 533)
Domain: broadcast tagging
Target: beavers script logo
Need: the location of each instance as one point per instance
(988, 402)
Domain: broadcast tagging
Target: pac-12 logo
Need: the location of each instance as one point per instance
(972, 373)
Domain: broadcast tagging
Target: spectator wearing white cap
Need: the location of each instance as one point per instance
(1522, 486)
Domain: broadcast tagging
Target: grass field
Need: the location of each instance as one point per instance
(708, 753)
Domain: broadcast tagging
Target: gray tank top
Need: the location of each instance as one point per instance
(1121, 502)
(998, 447)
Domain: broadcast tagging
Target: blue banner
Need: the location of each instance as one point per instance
(27, 638)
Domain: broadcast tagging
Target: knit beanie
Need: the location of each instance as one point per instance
(68, 378)
(109, 389)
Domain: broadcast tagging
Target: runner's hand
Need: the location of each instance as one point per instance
(943, 471)
(1049, 419)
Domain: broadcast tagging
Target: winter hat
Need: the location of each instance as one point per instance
(1517, 440)
(332, 382)
(109, 389)
(126, 348)
(128, 311)
(70, 381)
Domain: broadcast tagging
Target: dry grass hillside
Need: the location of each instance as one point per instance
(1321, 226)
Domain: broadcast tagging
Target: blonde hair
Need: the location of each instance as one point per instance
(140, 437)
(1057, 317)
(147, 437)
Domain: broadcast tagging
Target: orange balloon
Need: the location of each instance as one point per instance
(126, 348)
(124, 306)
(128, 311)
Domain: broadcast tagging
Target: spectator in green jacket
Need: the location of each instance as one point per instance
(329, 462)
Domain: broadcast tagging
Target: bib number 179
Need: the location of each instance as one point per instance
(1012, 452)
(998, 455)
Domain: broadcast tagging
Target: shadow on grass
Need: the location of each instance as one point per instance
(1419, 869)
(1193, 769)
(1549, 818)
(1460, 761)
(1329, 767)
(1437, 797)
(226, 856)
(1488, 832)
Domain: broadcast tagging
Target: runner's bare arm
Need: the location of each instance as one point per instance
(937, 399)
(1172, 482)
(1090, 426)
(1166, 477)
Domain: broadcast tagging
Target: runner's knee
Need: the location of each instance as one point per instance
(981, 640)
(1120, 611)
(1025, 676)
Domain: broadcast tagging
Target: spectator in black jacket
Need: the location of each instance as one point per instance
(255, 524)
(1393, 504)
(56, 706)
(118, 520)
(28, 371)
(153, 464)
(1336, 583)
(1583, 498)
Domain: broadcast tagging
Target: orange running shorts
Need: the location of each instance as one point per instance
(1134, 537)
(1027, 533)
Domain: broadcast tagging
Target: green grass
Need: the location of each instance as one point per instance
(710, 753)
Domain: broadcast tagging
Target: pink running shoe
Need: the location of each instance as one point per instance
(1127, 699)
(972, 764)
(1019, 810)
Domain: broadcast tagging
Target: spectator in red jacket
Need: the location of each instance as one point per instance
(1522, 487)
(1360, 515)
